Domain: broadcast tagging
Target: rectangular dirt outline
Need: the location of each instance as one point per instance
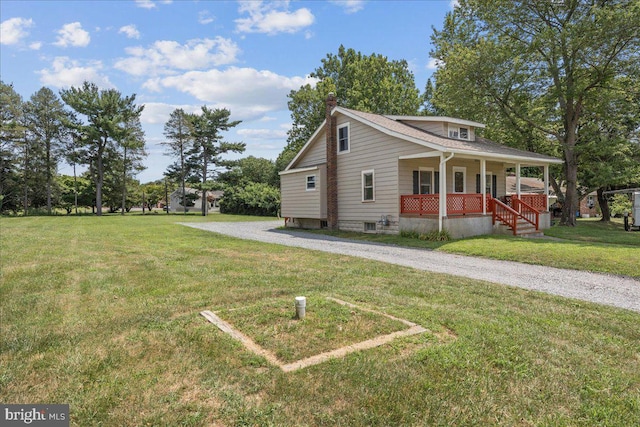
(322, 357)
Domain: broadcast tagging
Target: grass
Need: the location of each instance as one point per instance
(590, 246)
(328, 326)
(102, 313)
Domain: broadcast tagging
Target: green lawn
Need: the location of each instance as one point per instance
(102, 314)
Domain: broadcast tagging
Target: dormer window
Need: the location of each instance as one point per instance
(458, 132)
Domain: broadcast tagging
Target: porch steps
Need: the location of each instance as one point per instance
(523, 229)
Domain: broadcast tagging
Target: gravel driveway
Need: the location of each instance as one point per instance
(600, 288)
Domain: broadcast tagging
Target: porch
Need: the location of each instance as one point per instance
(521, 214)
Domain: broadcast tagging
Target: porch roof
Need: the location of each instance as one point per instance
(480, 148)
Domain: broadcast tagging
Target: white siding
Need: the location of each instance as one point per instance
(439, 128)
(370, 150)
(316, 153)
(297, 201)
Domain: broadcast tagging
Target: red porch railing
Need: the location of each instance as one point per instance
(526, 211)
(535, 201)
(505, 214)
(429, 204)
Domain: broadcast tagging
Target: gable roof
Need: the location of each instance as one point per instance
(390, 125)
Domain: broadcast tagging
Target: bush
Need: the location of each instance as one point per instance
(620, 204)
(432, 236)
(253, 199)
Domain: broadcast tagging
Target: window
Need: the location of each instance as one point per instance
(369, 226)
(491, 184)
(458, 132)
(311, 182)
(425, 182)
(368, 193)
(459, 179)
(324, 224)
(343, 138)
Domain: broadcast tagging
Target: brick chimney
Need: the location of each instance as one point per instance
(332, 163)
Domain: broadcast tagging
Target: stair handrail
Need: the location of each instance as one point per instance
(527, 212)
(505, 214)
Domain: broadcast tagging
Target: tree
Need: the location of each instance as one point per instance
(107, 115)
(250, 169)
(177, 130)
(131, 140)
(611, 131)
(537, 64)
(367, 83)
(45, 117)
(11, 130)
(153, 193)
(252, 199)
(209, 146)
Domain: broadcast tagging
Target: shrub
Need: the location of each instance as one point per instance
(620, 204)
(432, 236)
(253, 199)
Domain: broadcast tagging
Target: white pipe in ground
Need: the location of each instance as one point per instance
(301, 304)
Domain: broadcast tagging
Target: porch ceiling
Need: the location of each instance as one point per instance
(509, 161)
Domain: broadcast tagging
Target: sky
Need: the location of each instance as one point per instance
(245, 56)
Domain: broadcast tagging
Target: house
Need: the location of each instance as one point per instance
(589, 205)
(195, 196)
(386, 174)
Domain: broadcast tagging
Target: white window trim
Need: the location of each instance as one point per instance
(489, 178)
(456, 129)
(348, 126)
(424, 169)
(315, 182)
(373, 185)
(464, 179)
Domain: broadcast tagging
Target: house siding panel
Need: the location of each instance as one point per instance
(370, 150)
(434, 127)
(316, 154)
(297, 201)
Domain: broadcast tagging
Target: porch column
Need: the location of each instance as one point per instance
(483, 184)
(546, 186)
(442, 208)
(518, 180)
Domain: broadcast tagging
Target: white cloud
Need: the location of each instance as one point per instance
(350, 6)
(158, 112)
(248, 93)
(263, 134)
(166, 56)
(205, 17)
(434, 63)
(14, 29)
(130, 31)
(454, 3)
(150, 4)
(72, 35)
(35, 45)
(65, 72)
(272, 18)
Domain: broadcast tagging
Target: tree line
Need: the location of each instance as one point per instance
(85, 126)
(100, 130)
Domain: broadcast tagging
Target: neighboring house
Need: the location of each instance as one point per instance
(213, 197)
(385, 174)
(589, 205)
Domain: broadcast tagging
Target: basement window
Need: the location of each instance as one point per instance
(369, 226)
